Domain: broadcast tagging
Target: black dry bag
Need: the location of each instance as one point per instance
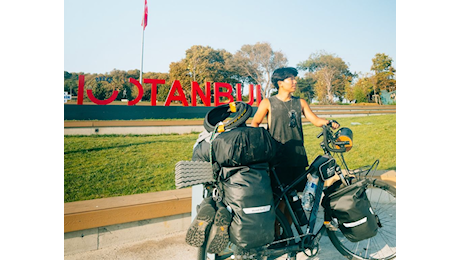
(351, 207)
(239, 146)
(248, 193)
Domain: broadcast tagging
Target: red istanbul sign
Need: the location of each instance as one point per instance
(176, 93)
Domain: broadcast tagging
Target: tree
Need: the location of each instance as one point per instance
(120, 82)
(325, 77)
(71, 83)
(258, 62)
(360, 90)
(203, 64)
(162, 89)
(207, 64)
(331, 74)
(384, 73)
(305, 87)
(179, 71)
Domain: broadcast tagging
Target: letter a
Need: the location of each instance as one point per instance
(181, 97)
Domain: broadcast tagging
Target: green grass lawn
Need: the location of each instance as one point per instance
(108, 166)
(374, 137)
(116, 165)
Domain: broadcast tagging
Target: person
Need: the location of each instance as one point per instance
(285, 126)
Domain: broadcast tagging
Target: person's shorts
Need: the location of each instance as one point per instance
(287, 175)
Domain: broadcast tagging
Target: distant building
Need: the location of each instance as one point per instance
(388, 98)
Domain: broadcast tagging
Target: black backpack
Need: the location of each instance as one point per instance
(351, 207)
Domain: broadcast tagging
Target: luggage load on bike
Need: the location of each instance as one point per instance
(352, 207)
(240, 157)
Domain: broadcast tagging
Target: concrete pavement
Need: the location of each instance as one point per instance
(173, 246)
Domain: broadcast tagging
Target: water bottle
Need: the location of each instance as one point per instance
(297, 207)
(308, 194)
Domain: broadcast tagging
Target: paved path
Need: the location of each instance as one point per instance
(174, 247)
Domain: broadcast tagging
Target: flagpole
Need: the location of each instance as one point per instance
(142, 56)
(144, 24)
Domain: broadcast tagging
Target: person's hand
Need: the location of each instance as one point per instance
(334, 124)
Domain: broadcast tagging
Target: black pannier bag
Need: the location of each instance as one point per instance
(247, 191)
(351, 207)
(239, 146)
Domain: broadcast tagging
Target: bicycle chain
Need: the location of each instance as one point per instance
(290, 238)
(249, 255)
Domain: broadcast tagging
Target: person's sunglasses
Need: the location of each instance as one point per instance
(292, 117)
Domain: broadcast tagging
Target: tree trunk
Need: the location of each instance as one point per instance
(330, 96)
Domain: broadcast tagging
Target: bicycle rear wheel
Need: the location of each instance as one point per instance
(382, 246)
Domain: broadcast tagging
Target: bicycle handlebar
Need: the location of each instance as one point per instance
(328, 139)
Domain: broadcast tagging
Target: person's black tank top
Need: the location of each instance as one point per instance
(286, 128)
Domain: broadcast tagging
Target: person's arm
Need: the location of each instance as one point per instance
(313, 118)
(262, 111)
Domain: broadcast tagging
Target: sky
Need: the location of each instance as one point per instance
(103, 35)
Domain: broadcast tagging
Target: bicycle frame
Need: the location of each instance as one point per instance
(309, 239)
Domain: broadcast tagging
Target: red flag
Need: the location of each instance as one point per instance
(146, 12)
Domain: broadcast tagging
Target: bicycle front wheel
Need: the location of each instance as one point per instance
(382, 246)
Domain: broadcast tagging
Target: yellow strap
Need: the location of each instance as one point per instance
(220, 129)
(232, 107)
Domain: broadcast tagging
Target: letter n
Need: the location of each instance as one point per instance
(197, 90)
